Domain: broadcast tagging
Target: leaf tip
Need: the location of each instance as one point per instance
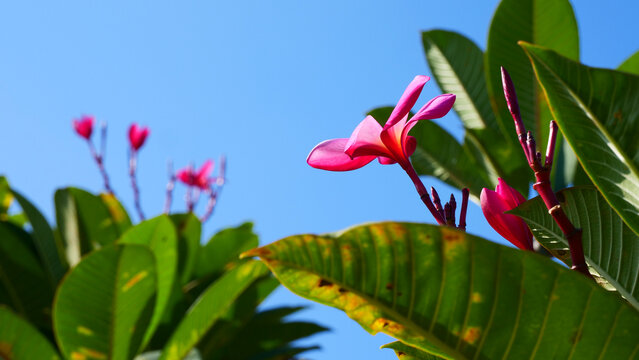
(261, 252)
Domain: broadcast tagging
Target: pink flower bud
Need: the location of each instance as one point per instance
(201, 179)
(511, 227)
(137, 136)
(84, 126)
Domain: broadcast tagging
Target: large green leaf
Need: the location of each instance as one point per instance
(85, 222)
(159, 235)
(119, 217)
(43, 239)
(207, 309)
(20, 340)
(104, 305)
(631, 64)
(610, 247)
(24, 285)
(405, 352)
(550, 23)
(224, 248)
(189, 229)
(446, 292)
(458, 67)
(598, 112)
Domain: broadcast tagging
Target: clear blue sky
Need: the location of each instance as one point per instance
(260, 81)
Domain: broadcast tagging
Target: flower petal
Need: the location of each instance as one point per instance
(407, 101)
(437, 107)
(330, 155)
(386, 160)
(366, 140)
(509, 226)
(202, 178)
(509, 195)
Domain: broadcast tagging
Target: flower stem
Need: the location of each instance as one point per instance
(99, 160)
(464, 209)
(169, 188)
(133, 160)
(423, 194)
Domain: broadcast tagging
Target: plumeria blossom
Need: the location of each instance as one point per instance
(201, 179)
(511, 227)
(137, 136)
(389, 144)
(84, 126)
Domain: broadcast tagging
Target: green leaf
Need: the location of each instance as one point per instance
(610, 247)
(215, 344)
(104, 305)
(5, 197)
(189, 230)
(458, 67)
(119, 217)
(208, 308)
(20, 340)
(159, 235)
(24, 284)
(550, 23)
(436, 288)
(596, 109)
(85, 222)
(155, 355)
(43, 239)
(405, 352)
(631, 65)
(225, 248)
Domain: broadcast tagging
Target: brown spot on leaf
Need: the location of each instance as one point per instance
(476, 297)
(341, 290)
(618, 115)
(134, 280)
(324, 282)
(472, 334)
(262, 252)
(401, 353)
(5, 350)
(77, 356)
(390, 286)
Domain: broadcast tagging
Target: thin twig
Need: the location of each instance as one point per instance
(169, 188)
(133, 160)
(98, 158)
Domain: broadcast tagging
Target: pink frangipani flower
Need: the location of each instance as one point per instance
(84, 126)
(511, 227)
(389, 144)
(137, 136)
(201, 179)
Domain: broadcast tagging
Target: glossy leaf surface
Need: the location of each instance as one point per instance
(104, 305)
(453, 294)
(189, 230)
(597, 110)
(159, 235)
(610, 247)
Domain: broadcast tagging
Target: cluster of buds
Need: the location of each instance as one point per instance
(196, 182)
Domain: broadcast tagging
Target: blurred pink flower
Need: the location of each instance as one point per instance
(201, 179)
(84, 126)
(390, 144)
(511, 227)
(137, 136)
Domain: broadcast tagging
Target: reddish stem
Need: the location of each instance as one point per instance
(99, 160)
(542, 174)
(423, 194)
(437, 202)
(464, 209)
(133, 160)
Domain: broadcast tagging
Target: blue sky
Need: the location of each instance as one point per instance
(259, 81)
